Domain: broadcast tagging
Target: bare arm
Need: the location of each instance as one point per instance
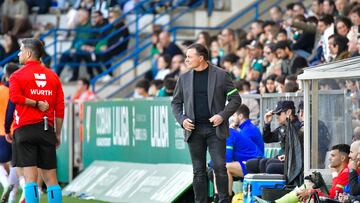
(58, 124)
(41, 105)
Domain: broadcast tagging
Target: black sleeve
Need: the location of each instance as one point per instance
(177, 103)
(232, 96)
(9, 116)
(270, 136)
(354, 183)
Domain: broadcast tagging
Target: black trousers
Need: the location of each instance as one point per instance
(203, 137)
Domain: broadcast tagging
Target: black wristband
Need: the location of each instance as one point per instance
(36, 104)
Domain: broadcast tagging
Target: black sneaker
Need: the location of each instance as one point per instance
(5, 197)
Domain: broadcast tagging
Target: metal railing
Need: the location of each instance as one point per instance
(141, 40)
(253, 7)
(140, 47)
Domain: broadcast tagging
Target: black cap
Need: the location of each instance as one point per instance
(283, 106)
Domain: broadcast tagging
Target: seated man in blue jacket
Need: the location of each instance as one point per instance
(242, 145)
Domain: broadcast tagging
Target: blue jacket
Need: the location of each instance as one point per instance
(250, 130)
(244, 144)
(353, 188)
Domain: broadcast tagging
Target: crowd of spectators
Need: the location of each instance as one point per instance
(88, 47)
(268, 57)
(99, 49)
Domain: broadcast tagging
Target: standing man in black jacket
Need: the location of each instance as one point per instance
(199, 107)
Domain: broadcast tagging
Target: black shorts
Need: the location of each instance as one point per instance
(33, 146)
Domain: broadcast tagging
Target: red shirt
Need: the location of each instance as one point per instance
(39, 83)
(338, 183)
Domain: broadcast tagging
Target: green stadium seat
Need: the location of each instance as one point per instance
(271, 152)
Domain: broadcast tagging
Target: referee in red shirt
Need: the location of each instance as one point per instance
(39, 99)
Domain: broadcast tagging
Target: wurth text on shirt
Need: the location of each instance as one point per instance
(40, 80)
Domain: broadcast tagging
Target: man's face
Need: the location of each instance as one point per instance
(275, 14)
(267, 54)
(83, 17)
(193, 60)
(340, 5)
(354, 149)
(24, 55)
(164, 39)
(298, 10)
(281, 118)
(316, 7)
(281, 53)
(335, 158)
(255, 29)
(327, 8)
